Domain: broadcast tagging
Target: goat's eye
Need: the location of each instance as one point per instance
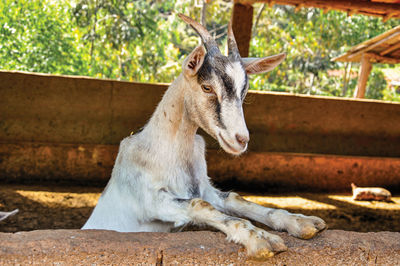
(207, 89)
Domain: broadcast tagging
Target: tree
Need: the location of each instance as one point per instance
(146, 41)
(37, 36)
(311, 39)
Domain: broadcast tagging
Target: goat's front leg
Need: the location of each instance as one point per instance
(259, 243)
(297, 225)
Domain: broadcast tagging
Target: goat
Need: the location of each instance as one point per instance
(159, 180)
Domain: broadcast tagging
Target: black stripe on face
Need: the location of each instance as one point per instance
(205, 72)
(244, 89)
(218, 114)
(221, 63)
(216, 65)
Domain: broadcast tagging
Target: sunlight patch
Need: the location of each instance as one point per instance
(61, 199)
(289, 202)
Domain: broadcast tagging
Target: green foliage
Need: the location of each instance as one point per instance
(146, 41)
(37, 36)
(376, 85)
(311, 39)
(125, 38)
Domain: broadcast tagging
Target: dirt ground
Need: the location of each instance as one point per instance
(54, 207)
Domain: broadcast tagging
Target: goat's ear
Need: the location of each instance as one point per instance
(262, 65)
(194, 61)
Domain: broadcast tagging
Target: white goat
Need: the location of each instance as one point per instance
(160, 181)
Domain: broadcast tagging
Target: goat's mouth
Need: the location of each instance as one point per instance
(228, 147)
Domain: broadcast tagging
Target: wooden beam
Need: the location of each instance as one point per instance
(372, 46)
(387, 17)
(390, 49)
(326, 10)
(347, 57)
(361, 6)
(375, 39)
(365, 70)
(374, 58)
(298, 7)
(242, 22)
(351, 12)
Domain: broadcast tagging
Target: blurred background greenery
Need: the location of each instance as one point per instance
(145, 41)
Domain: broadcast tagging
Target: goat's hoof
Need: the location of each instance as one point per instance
(262, 255)
(265, 245)
(305, 227)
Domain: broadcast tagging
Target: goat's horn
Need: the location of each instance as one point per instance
(233, 50)
(207, 39)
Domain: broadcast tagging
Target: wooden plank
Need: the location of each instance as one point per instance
(374, 58)
(360, 6)
(375, 39)
(390, 49)
(365, 70)
(372, 46)
(353, 54)
(386, 1)
(242, 22)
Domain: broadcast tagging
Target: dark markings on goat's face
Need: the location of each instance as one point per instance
(216, 67)
(217, 106)
(221, 64)
(244, 89)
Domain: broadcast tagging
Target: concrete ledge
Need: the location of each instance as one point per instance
(92, 164)
(67, 129)
(76, 247)
(61, 109)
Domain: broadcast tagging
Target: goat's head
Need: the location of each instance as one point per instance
(218, 85)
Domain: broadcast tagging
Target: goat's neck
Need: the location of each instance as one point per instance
(171, 126)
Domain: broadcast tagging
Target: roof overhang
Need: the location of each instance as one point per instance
(384, 48)
(382, 8)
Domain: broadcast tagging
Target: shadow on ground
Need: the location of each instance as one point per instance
(69, 207)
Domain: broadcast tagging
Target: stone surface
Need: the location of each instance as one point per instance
(76, 247)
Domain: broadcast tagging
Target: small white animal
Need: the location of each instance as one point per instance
(371, 193)
(5, 215)
(160, 181)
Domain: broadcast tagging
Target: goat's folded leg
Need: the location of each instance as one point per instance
(259, 243)
(297, 225)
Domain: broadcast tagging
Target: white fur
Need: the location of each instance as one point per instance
(235, 70)
(159, 180)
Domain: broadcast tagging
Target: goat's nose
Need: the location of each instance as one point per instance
(242, 140)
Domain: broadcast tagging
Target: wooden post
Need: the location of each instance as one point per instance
(242, 22)
(365, 70)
